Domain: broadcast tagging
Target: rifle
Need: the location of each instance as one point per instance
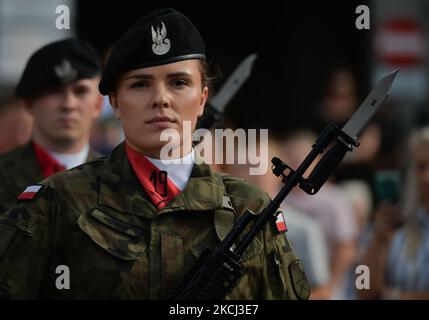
(217, 271)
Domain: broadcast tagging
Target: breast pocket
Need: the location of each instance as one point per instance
(118, 238)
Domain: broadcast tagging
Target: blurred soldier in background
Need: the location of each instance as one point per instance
(59, 89)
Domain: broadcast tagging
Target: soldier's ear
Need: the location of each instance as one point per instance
(203, 100)
(113, 99)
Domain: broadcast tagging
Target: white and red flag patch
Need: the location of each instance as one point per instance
(280, 222)
(29, 192)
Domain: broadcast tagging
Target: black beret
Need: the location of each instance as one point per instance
(58, 63)
(161, 37)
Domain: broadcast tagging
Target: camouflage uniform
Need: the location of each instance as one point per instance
(18, 169)
(97, 220)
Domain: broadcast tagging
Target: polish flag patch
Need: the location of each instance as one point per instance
(280, 222)
(30, 192)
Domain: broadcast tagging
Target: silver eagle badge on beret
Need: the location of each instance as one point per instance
(65, 71)
(161, 44)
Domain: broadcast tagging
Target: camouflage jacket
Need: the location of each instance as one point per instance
(18, 169)
(97, 220)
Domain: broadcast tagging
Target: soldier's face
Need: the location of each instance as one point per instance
(149, 100)
(64, 115)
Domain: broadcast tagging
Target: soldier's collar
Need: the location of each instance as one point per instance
(204, 191)
(121, 190)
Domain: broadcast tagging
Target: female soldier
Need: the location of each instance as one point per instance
(130, 225)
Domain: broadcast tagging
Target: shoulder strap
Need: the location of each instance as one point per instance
(226, 201)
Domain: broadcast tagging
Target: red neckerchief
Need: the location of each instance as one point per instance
(158, 186)
(46, 162)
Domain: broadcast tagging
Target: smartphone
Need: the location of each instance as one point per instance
(388, 186)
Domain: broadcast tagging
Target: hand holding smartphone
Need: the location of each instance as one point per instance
(388, 186)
